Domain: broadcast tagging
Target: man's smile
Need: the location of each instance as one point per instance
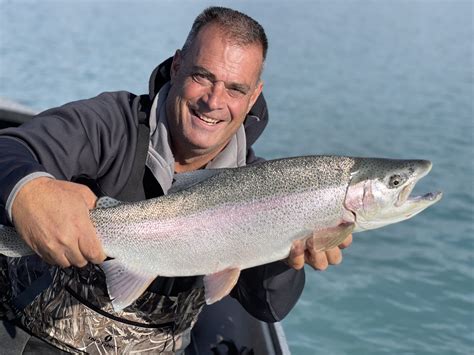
(203, 118)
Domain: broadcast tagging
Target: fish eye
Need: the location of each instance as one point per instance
(396, 181)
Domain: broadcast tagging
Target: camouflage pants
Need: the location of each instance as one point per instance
(74, 313)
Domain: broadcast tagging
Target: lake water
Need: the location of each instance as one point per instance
(363, 78)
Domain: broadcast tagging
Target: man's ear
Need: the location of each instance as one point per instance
(255, 95)
(175, 65)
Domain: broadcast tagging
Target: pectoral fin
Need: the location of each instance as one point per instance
(219, 285)
(328, 238)
(124, 285)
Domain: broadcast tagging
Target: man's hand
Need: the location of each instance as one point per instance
(52, 217)
(302, 253)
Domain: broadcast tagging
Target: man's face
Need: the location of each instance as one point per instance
(214, 85)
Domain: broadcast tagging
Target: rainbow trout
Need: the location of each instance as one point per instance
(221, 221)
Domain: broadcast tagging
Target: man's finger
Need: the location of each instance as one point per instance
(346, 242)
(297, 262)
(89, 244)
(334, 256)
(297, 258)
(62, 250)
(317, 260)
(89, 197)
(75, 257)
(92, 249)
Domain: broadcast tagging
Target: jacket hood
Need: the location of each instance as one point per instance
(254, 123)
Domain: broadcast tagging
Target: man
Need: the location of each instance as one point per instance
(204, 110)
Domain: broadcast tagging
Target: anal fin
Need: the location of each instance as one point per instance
(219, 285)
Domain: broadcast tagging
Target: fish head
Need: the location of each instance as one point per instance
(379, 191)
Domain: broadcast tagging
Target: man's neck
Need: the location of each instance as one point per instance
(193, 162)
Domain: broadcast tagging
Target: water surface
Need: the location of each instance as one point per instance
(364, 78)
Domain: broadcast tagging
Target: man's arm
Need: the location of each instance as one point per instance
(39, 203)
(85, 138)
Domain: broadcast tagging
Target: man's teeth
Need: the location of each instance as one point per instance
(208, 120)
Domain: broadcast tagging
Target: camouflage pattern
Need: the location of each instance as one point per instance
(152, 324)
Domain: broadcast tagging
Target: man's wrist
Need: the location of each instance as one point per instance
(17, 188)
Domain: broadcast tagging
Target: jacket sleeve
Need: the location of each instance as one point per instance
(17, 163)
(83, 138)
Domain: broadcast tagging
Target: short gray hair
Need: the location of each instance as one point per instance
(239, 27)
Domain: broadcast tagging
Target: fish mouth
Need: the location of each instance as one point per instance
(405, 197)
(429, 197)
(422, 201)
(416, 204)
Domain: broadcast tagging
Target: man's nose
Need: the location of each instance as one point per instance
(215, 96)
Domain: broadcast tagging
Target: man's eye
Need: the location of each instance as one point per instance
(201, 79)
(236, 92)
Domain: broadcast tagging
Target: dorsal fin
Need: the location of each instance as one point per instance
(106, 202)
